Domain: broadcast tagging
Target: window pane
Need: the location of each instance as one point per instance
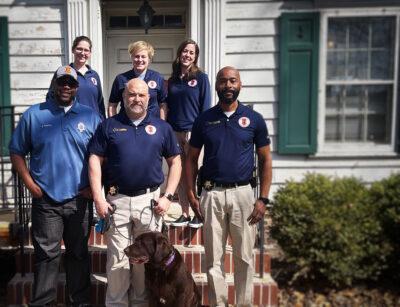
(380, 99)
(378, 132)
(332, 129)
(381, 65)
(357, 65)
(353, 128)
(337, 34)
(383, 32)
(117, 22)
(354, 102)
(336, 65)
(134, 22)
(333, 99)
(358, 33)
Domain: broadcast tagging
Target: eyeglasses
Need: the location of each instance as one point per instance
(66, 81)
(82, 50)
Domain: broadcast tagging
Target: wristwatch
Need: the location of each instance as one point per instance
(169, 196)
(265, 200)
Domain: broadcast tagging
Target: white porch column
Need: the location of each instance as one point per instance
(213, 39)
(84, 18)
(96, 35)
(78, 17)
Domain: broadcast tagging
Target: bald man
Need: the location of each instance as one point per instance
(229, 131)
(133, 144)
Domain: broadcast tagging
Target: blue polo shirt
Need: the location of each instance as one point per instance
(89, 92)
(57, 143)
(186, 100)
(229, 142)
(153, 79)
(134, 153)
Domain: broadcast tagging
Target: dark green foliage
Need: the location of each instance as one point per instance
(328, 230)
(385, 196)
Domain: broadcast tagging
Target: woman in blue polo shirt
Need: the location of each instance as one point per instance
(188, 96)
(141, 54)
(89, 92)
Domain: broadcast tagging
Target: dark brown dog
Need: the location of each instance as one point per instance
(166, 277)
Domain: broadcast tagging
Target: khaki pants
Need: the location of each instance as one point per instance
(132, 217)
(225, 212)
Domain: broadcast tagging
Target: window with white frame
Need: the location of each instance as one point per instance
(359, 82)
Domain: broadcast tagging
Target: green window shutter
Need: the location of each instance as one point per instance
(298, 83)
(5, 101)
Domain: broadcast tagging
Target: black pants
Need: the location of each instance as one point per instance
(51, 222)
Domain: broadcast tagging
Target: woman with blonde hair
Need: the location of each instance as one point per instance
(141, 54)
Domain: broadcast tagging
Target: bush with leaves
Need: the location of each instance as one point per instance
(385, 196)
(327, 231)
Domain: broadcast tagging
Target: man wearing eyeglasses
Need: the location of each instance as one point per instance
(55, 135)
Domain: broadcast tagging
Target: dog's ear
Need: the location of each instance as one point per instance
(163, 248)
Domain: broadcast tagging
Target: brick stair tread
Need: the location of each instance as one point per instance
(265, 289)
(192, 256)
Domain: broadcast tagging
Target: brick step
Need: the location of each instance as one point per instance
(19, 290)
(183, 235)
(193, 257)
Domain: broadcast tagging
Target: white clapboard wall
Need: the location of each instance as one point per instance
(37, 33)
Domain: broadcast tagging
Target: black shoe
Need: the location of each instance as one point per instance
(181, 221)
(195, 222)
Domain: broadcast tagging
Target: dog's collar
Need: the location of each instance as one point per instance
(170, 259)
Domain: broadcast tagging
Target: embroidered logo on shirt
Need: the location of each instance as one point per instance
(94, 81)
(150, 129)
(152, 84)
(81, 127)
(192, 83)
(244, 122)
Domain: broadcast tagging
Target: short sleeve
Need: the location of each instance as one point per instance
(115, 95)
(98, 143)
(21, 141)
(261, 137)
(196, 138)
(171, 145)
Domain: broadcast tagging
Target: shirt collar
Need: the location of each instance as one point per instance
(77, 71)
(239, 110)
(54, 106)
(126, 120)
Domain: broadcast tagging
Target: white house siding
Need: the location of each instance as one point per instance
(37, 46)
(251, 43)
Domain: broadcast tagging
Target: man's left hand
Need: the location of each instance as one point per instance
(86, 193)
(258, 213)
(162, 207)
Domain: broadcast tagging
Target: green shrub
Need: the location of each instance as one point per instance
(385, 196)
(327, 231)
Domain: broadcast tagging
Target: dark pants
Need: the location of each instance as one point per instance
(52, 222)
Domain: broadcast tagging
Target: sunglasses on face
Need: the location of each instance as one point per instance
(66, 81)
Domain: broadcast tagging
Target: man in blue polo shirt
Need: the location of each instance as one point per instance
(229, 131)
(56, 134)
(133, 143)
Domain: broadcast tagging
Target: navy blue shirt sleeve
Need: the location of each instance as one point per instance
(196, 138)
(261, 137)
(20, 143)
(171, 146)
(162, 93)
(205, 94)
(98, 143)
(115, 95)
(100, 98)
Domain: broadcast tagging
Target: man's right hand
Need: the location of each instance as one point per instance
(35, 190)
(102, 208)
